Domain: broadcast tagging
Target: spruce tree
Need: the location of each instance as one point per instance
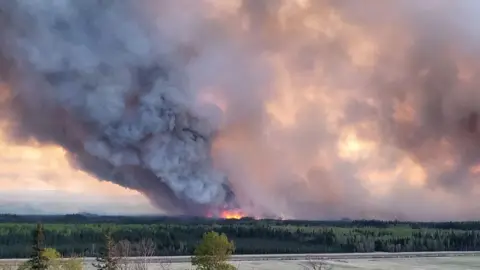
(38, 260)
(107, 260)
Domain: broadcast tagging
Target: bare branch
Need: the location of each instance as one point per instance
(123, 250)
(145, 249)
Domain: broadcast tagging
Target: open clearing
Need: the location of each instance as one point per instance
(463, 263)
(442, 263)
(374, 261)
(379, 261)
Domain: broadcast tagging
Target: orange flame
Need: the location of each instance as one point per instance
(232, 214)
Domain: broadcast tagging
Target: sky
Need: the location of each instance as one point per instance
(40, 178)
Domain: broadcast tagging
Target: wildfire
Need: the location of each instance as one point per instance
(232, 214)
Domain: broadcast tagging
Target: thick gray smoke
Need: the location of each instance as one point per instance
(323, 108)
(87, 75)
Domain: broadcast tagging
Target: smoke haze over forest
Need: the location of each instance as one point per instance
(295, 108)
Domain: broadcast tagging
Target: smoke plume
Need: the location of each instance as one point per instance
(301, 108)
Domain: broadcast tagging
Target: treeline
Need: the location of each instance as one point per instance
(147, 220)
(178, 236)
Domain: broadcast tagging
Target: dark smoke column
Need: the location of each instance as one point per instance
(85, 75)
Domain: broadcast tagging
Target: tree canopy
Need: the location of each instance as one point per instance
(213, 252)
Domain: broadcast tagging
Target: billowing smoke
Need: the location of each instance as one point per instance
(87, 75)
(302, 108)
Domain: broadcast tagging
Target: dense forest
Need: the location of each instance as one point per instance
(82, 235)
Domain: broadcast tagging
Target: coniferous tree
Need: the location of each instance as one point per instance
(107, 260)
(38, 260)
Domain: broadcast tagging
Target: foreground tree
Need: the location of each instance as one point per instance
(123, 250)
(145, 249)
(213, 252)
(55, 262)
(107, 259)
(38, 259)
(53, 257)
